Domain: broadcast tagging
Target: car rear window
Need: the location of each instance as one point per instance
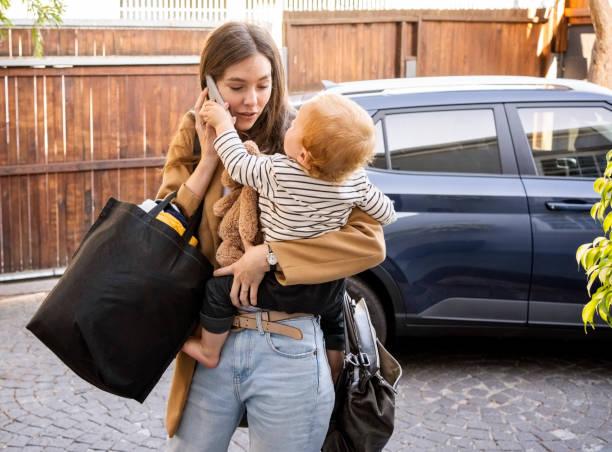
(456, 141)
(568, 141)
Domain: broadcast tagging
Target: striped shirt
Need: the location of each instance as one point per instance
(293, 204)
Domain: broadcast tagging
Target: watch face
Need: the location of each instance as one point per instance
(272, 259)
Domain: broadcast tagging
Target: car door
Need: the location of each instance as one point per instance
(561, 149)
(461, 248)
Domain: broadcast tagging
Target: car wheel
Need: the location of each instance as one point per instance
(357, 289)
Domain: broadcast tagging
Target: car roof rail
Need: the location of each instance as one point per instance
(429, 84)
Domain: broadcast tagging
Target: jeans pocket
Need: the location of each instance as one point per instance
(295, 348)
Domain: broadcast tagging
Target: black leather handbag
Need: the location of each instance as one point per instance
(364, 412)
(128, 300)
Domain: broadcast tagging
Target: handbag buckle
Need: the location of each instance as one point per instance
(360, 360)
(364, 359)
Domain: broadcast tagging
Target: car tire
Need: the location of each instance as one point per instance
(357, 289)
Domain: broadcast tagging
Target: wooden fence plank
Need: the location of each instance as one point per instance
(12, 101)
(41, 236)
(3, 121)
(132, 185)
(54, 220)
(27, 147)
(5, 206)
(61, 185)
(55, 118)
(15, 231)
(105, 185)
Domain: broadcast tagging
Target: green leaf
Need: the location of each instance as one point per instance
(598, 184)
(607, 223)
(598, 240)
(594, 210)
(588, 311)
(602, 209)
(602, 311)
(592, 279)
(604, 274)
(591, 269)
(605, 188)
(581, 250)
(591, 257)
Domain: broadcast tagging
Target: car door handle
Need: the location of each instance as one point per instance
(576, 207)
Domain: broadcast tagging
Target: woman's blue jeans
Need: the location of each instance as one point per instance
(285, 384)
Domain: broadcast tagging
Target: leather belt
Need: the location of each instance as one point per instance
(269, 323)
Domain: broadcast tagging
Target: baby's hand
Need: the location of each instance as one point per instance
(217, 116)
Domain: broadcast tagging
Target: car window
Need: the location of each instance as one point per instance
(568, 141)
(457, 141)
(379, 160)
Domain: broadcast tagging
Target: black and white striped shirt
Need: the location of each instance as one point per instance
(293, 204)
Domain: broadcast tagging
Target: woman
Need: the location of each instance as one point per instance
(284, 384)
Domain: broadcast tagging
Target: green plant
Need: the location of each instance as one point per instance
(45, 13)
(596, 257)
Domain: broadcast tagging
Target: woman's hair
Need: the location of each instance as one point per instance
(339, 136)
(232, 43)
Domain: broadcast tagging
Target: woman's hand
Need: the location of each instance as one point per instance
(248, 272)
(206, 133)
(203, 173)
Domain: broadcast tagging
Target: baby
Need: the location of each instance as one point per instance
(307, 192)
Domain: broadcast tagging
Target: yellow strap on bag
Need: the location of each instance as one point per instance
(175, 224)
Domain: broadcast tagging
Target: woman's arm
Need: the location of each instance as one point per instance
(357, 246)
(189, 185)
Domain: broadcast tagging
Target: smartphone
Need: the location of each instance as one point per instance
(213, 91)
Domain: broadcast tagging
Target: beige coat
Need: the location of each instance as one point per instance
(356, 247)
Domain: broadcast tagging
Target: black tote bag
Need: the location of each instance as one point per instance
(364, 411)
(128, 300)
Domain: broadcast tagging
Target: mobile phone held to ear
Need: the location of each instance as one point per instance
(213, 91)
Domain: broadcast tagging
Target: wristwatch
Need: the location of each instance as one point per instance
(272, 260)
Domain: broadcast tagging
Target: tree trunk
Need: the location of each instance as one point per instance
(600, 71)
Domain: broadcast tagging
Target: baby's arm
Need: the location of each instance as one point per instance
(376, 204)
(244, 168)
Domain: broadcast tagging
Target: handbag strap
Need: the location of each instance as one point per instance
(196, 218)
(162, 205)
(352, 347)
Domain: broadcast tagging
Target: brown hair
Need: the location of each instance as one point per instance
(230, 44)
(339, 135)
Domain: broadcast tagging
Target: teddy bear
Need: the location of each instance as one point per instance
(239, 227)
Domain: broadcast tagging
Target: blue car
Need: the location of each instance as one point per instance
(492, 179)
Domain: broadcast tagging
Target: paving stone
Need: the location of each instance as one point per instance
(508, 445)
(18, 441)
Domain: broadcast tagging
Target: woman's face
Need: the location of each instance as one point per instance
(246, 86)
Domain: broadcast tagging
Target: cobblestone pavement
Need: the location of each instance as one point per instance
(454, 394)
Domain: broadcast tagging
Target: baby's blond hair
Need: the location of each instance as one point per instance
(339, 136)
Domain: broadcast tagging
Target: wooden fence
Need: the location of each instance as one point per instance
(344, 46)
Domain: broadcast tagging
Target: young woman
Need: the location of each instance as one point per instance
(284, 384)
